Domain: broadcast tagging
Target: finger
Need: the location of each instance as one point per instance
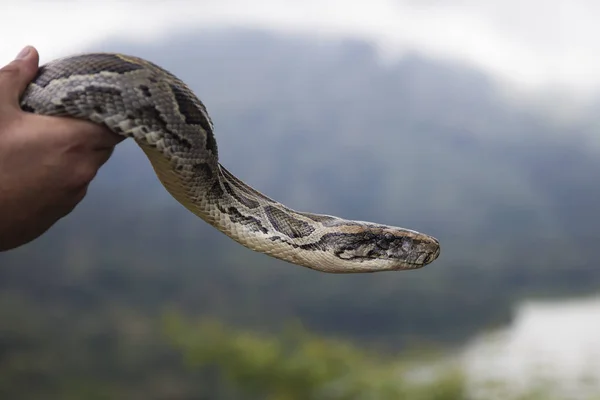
(96, 136)
(73, 132)
(15, 76)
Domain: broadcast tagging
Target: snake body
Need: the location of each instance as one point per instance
(138, 99)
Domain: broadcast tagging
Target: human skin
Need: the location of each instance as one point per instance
(46, 163)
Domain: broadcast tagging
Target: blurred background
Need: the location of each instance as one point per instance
(475, 121)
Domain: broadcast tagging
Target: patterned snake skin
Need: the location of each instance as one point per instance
(137, 99)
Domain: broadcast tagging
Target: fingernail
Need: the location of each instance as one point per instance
(23, 53)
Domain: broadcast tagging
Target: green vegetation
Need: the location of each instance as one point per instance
(175, 357)
(298, 365)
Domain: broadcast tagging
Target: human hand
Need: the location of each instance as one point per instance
(46, 163)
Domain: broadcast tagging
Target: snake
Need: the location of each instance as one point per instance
(137, 99)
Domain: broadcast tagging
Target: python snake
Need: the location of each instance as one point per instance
(138, 99)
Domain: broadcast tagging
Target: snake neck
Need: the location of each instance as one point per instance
(253, 213)
(261, 223)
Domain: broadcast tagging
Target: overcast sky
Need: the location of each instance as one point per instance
(533, 43)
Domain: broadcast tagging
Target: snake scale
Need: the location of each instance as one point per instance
(138, 99)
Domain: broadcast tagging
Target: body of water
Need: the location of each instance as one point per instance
(552, 346)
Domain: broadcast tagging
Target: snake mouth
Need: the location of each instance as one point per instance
(417, 261)
(432, 256)
(415, 264)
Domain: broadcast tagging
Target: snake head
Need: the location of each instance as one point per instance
(375, 248)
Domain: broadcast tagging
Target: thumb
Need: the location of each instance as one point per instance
(15, 76)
